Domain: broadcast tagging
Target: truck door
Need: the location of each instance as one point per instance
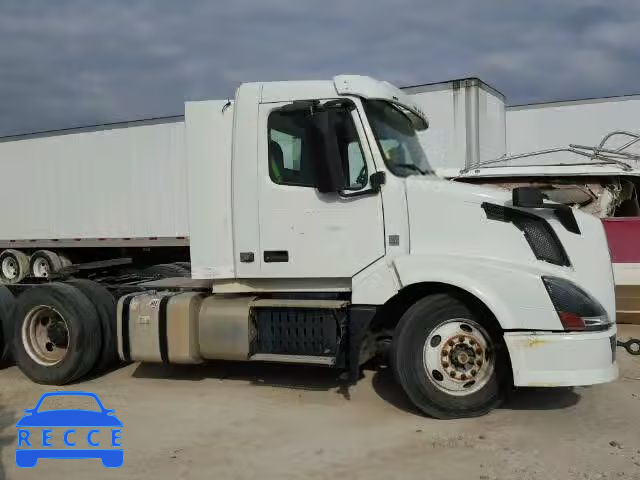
(305, 233)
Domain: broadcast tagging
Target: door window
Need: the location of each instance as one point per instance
(289, 160)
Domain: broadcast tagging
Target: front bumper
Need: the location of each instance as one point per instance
(544, 359)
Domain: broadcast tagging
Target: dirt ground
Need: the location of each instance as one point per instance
(244, 421)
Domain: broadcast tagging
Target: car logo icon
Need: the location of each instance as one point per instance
(32, 446)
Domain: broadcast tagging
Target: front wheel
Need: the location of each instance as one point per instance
(448, 359)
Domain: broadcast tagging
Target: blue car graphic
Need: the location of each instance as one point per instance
(105, 418)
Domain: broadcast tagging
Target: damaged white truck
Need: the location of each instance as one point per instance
(316, 233)
(602, 180)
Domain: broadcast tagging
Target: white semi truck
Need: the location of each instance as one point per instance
(316, 233)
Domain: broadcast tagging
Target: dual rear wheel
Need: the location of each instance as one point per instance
(62, 331)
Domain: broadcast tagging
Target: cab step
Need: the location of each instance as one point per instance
(304, 359)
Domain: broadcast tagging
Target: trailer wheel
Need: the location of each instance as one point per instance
(105, 305)
(448, 363)
(14, 266)
(43, 263)
(57, 335)
(7, 304)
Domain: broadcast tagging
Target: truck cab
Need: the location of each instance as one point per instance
(319, 234)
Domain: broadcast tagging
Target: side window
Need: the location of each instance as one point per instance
(357, 166)
(353, 162)
(287, 164)
(289, 160)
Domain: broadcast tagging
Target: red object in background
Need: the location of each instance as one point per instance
(623, 235)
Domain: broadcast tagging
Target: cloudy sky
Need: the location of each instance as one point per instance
(66, 63)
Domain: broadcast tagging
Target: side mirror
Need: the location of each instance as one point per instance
(527, 197)
(376, 180)
(322, 148)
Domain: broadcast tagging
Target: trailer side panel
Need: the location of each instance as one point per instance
(110, 183)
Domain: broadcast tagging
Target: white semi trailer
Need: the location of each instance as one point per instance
(316, 233)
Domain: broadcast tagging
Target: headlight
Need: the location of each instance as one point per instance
(576, 308)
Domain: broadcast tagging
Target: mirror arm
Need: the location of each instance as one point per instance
(377, 179)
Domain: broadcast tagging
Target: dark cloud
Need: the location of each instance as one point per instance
(72, 62)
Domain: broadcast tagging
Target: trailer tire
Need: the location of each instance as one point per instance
(7, 304)
(166, 270)
(71, 324)
(14, 266)
(43, 263)
(105, 305)
(447, 359)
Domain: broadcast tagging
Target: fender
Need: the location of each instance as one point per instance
(514, 293)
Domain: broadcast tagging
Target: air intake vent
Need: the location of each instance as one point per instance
(541, 237)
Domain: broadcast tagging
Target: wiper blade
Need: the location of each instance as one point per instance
(411, 166)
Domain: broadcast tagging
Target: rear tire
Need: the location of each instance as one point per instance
(105, 305)
(7, 304)
(448, 359)
(57, 335)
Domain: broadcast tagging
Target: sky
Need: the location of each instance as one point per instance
(66, 63)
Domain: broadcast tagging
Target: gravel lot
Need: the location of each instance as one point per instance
(241, 421)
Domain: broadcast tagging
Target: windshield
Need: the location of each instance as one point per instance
(397, 139)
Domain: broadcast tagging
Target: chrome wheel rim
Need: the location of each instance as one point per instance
(458, 357)
(45, 335)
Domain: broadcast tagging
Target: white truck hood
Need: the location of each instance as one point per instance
(447, 219)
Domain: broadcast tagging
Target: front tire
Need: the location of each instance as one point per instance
(448, 359)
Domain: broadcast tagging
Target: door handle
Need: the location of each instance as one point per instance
(272, 256)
